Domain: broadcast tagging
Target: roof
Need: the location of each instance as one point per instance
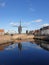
(1, 30)
(44, 28)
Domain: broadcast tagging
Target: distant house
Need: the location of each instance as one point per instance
(31, 32)
(45, 30)
(37, 32)
(26, 31)
(1, 31)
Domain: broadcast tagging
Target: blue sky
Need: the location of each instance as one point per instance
(33, 14)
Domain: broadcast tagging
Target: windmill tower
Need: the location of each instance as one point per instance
(19, 27)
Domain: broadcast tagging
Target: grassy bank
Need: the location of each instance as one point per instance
(9, 38)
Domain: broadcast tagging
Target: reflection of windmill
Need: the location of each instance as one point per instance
(19, 27)
(19, 46)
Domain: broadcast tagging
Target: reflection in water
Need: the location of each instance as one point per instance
(1, 48)
(12, 42)
(20, 46)
(31, 42)
(42, 44)
(13, 46)
(25, 53)
(10, 46)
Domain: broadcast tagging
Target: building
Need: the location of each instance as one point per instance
(44, 30)
(37, 32)
(31, 32)
(1, 31)
(26, 31)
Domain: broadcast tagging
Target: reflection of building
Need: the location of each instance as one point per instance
(42, 44)
(1, 31)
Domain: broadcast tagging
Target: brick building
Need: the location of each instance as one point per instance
(1, 31)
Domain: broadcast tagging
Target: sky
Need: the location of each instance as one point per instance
(33, 14)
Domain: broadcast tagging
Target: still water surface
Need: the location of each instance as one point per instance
(25, 53)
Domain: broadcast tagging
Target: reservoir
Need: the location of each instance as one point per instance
(25, 53)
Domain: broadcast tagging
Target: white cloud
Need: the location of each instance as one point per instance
(25, 23)
(45, 25)
(38, 20)
(14, 24)
(2, 4)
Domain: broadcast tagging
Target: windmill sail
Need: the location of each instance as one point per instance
(19, 27)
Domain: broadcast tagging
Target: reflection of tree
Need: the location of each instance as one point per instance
(19, 46)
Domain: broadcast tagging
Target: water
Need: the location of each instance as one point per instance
(25, 53)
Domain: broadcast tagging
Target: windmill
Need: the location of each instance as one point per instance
(19, 27)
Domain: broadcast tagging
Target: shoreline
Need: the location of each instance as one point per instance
(8, 38)
(44, 38)
(20, 37)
